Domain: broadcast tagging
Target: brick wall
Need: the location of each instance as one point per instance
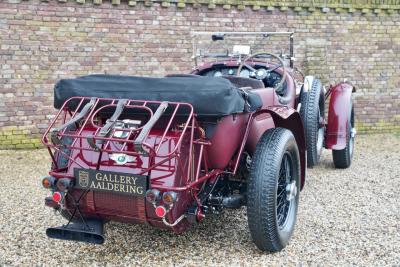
(41, 42)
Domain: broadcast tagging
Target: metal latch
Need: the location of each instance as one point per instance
(54, 131)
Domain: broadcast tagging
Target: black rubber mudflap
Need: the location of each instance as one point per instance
(91, 232)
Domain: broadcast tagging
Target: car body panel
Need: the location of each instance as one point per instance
(338, 116)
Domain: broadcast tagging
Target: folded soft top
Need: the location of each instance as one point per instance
(210, 96)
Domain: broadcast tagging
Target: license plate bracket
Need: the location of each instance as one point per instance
(112, 182)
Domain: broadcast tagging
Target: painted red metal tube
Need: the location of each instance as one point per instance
(191, 185)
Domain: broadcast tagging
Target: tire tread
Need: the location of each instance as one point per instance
(342, 158)
(262, 218)
(310, 102)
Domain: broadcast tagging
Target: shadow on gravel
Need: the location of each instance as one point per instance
(222, 231)
(214, 239)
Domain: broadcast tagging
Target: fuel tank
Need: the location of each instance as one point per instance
(111, 202)
(226, 138)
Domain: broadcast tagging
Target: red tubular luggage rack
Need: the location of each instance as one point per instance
(98, 104)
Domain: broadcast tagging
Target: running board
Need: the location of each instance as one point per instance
(91, 232)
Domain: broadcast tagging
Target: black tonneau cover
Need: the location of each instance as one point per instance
(210, 96)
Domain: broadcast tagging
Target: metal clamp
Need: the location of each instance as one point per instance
(245, 95)
(148, 126)
(92, 142)
(54, 132)
(106, 129)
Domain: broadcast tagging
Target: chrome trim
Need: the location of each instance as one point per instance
(174, 223)
(291, 191)
(298, 107)
(308, 81)
(353, 132)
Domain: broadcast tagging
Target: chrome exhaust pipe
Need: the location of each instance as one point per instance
(89, 232)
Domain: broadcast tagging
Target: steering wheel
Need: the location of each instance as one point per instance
(261, 74)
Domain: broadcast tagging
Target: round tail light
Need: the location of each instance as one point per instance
(153, 196)
(64, 184)
(169, 198)
(57, 196)
(161, 211)
(48, 182)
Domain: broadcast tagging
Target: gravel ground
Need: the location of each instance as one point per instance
(346, 217)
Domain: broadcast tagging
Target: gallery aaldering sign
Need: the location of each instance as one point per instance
(113, 182)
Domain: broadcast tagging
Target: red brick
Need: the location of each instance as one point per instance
(41, 43)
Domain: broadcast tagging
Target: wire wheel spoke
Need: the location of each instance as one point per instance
(284, 179)
(281, 193)
(287, 171)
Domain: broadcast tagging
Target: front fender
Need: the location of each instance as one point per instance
(338, 116)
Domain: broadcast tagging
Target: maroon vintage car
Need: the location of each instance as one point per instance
(240, 130)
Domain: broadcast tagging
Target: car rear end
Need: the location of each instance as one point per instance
(121, 160)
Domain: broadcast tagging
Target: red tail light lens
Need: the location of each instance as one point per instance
(161, 211)
(48, 182)
(57, 196)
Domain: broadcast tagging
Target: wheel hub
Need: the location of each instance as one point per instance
(320, 133)
(291, 191)
(353, 132)
(286, 190)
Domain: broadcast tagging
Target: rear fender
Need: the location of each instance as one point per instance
(338, 116)
(284, 117)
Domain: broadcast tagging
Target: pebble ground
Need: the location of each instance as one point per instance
(346, 217)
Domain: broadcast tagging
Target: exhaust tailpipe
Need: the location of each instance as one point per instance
(91, 232)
